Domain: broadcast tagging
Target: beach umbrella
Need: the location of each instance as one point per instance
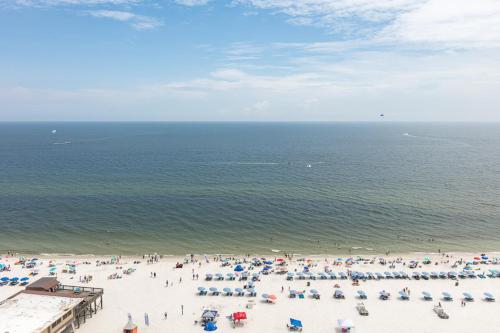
(290, 274)
(313, 291)
(239, 315)
(239, 268)
(265, 296)
(213, 289)
(25, 279)
(210, 326)
(201, 288)
(295, 322)
(238, 290)
(273, 297)
(227, 290)
(267, 262)
(345, 324)
(4, 279)
(14, 279)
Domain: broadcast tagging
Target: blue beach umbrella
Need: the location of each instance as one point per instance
(295, 322)
(25, 279)
(238, 268)
(4, 279)
(210, 326)
(14, 279)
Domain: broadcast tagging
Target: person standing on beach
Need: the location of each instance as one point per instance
(182, 310)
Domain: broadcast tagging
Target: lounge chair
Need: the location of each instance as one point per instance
(219, 277)
(333, 276)
(434, 275)
(388, 275)
(292, 294)
(362, 309)
(425, 275)
(202, 291)
(443, 275)
(343, 276)
(416, 275)
(427, 296)
(227, 291)
(379, 275)
(208, 277)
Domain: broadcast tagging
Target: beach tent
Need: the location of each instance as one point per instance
(130, 327)
(210, 326)
(239, 268)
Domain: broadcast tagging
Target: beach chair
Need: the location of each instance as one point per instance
(462, 275)
(379, 275)
(230, 276)
(343, 276)
(425, 275)
(489, 297)
(416, 275)
(427, 296)
(443, 275)
(239, 292)
(447, 296)
(362, 309)
(468, 297)
(452, 275)
(434, 275)
(362, 294)
(333, 276)
(251, 292)
(404, 295)
(388, 275)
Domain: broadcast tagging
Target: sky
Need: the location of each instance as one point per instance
(249, 60)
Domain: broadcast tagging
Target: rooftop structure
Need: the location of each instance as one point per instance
(46, 306)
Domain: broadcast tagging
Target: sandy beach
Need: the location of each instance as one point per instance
(140, 292)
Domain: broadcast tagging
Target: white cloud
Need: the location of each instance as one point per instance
(138, 22)
(456, 23)
(192, 3)
(435, 23)
(48, 3)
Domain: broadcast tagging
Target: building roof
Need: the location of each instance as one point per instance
(45, 283)
(32, 313)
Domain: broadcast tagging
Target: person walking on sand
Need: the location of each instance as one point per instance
(182, 310)
(165, 315)
(166, 284)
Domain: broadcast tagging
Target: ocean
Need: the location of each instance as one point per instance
(308, 188)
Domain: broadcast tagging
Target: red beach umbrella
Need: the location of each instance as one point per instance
(239, 315)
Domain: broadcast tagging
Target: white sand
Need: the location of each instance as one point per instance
(139, 294)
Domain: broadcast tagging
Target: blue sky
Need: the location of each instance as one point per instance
(415, 60)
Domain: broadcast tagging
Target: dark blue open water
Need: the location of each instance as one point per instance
(246, 187)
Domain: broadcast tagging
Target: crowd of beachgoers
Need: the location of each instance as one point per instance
(278, 292)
